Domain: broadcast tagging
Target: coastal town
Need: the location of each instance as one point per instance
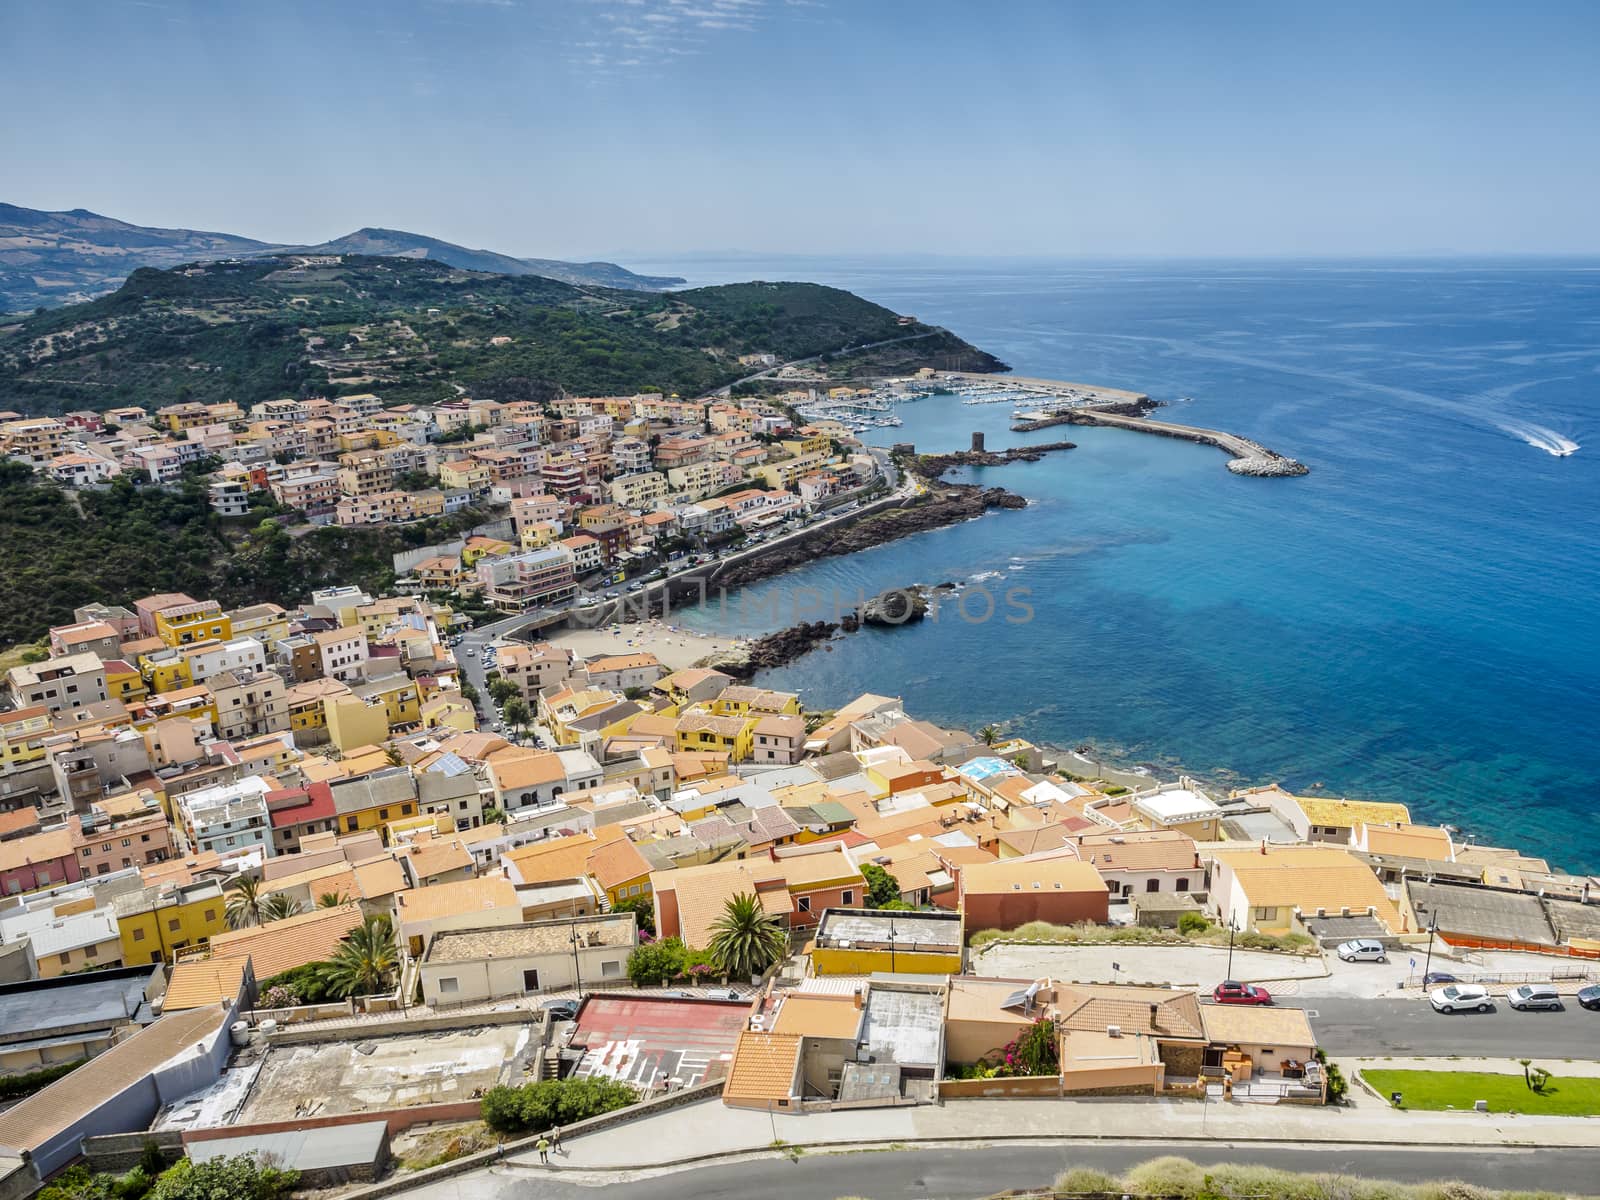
(415, 877)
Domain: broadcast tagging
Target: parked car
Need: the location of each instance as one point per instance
(560, 1010)
(1363, 950)
(1231, 991)
(636, 587)
(722, 994)
(1589, 997)
(1460, 997)
(1437, 977)
(1534, 995)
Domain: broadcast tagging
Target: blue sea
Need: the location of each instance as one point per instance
(1418, 619)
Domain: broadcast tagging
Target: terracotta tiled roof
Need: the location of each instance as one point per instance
(1270, 1026)
(763, 1067)
(1160, 1012)
(457, 898)
(560, 858)
(292, 942)
(199, 982)
(1020, 875)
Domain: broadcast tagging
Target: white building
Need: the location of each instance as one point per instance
(230, 818)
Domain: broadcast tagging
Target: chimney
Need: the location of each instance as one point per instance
(1154, 1009)
(1114, 1031)
(855, 998)
(1263, 845)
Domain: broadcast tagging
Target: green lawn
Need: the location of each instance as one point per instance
(1505, 1093)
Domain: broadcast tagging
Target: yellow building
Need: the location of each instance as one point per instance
(155, 922)
(464, 473)
(811, 441)
(483, 547)
(163, 672)
(539, 535)
(700, 731)
(740, 701)
(185, 624)
(354, 722)
(871, 941)
(21, 735)
(124, 682)
(449, 711)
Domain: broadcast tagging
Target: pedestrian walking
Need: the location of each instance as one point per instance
(555, 1138)
(544, 1151)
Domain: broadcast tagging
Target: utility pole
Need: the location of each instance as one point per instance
(1230, 947)
(1433, 928)
(577, 973)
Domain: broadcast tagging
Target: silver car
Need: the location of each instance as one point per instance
(1363, 950)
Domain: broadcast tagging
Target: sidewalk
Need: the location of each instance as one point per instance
(709, 1130)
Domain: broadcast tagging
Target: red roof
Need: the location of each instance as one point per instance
(316, 805)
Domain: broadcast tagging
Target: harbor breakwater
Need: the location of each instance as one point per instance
(1246, 457)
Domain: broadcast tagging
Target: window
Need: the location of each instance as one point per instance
(530, 980)
(847, 897)
(804, 904)
(85, 852)
(144, 837)
(126, 842)
(91, 951)
(174, 925)
(105, 847)
(211, 914)
(350, 824)
(138, 935)
(449, 987)
(610, 969)
(1183, 885)
(383, 814)
(1152, 885)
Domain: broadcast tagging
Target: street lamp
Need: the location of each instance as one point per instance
(1230, 947)
(1433, 928)
(577, 973)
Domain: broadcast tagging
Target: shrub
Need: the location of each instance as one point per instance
(1169, 1176)
(657, 962)
(1087, 1179)
(535, 1107)
(238, 1178)
(1191, 923)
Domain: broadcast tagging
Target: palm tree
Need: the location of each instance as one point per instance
(745, 941)
(332, 899)
(365, 962)
(989, 734)
(243, 908)
(278, 906)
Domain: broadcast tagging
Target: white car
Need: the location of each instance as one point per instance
(1363, 950)
(1460, 997)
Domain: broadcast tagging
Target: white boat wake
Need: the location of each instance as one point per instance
(1541, 437)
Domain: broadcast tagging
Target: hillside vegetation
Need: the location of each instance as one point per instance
(60, 550)
(417, 330)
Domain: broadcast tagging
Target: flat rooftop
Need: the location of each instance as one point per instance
(45, 1008)
(904, 1027)
(645, 1041)
(364, 1075)
(303, 1149)
(1482, 912)
(906, 930)
(469, 945)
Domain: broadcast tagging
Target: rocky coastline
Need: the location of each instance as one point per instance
(932, 466)
(945, 504)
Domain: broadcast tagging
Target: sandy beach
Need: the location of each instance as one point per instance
(675, 646)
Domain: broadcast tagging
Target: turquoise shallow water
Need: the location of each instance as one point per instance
(1416, 619)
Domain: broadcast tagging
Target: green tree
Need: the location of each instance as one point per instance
(657, 962)
(989, 735)
(468, 692)
(745, 941)
(493, 816)
(332, 899)
(365, 962)
(518, 715)
(1191, 923)
(243, 907)
(882, 887)
(239, 1178)
(393, 756)
(643, 909)
(278, 906)
(502, 690)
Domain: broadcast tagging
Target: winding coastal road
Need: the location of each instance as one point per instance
(964, 1173)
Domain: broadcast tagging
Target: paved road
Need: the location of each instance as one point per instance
(957, 1174)
(1356, 1026)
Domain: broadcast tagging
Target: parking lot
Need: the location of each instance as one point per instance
(1179, 966)
(1362, 1026)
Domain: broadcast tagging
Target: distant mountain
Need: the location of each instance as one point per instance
(418, 330)
(53, 258)
(396, 243)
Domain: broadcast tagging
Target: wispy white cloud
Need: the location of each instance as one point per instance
(610, 36)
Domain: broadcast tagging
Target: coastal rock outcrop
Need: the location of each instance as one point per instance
(944, 504)
(775, 650)
(935, 465)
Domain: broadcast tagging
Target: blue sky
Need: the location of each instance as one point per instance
(656, 127)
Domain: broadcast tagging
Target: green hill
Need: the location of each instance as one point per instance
(419, 330)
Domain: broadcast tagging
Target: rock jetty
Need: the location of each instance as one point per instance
(934, 465)
(1247, 457)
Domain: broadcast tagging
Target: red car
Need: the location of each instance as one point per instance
(1232, 992)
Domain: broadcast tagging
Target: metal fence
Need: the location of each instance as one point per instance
(1560, 975)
